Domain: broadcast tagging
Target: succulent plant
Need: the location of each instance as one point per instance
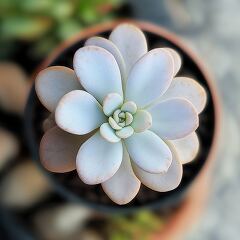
(122, 117)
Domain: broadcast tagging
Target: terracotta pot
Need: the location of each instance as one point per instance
(207, 132)
(187, 215)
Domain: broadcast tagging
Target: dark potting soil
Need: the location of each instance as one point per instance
(71, 187)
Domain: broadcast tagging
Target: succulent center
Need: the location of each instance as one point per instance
(123, 118)
(120, 119)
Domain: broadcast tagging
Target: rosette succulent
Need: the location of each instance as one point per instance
(121, 117)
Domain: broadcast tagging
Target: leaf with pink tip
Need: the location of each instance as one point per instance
(162, 182)
(131, 42)
(187, 148)
(58, 150)
(174, 118)
(149, 152)
(98, 160)
(110, 47)
(78, 112)
(189, 89)
(150, 77)
(53, 83)
(98, 71)
(115, 187)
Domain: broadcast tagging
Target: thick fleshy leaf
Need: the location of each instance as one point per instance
(116, 115)
(150, 77)
(131, 42)
(122, 124)
(110, 47)
(124, 185)
(130, 107)
(149, 152)
(108, 133)
(113, 124)
(129, 118)
(142, 121)
(112, 102)
(58, 150)
(162, 182)
(187, 88)
(98, 160)
(176, 59)
(186, 148)
(78, 112)
(98, 71)
(125, 132)
(174, 118)
(121, 115)
(53, 83)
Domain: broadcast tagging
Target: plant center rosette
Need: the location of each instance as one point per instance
(121, 117)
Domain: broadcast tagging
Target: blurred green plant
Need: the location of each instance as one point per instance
(136, 227)
(45, 23)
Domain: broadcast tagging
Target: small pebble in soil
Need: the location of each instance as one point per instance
(14, 88)
(9, 147)
(24, 186)
(61, 222)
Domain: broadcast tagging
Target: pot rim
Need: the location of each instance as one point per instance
(171, 37)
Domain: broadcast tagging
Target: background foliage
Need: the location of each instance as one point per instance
(45, 23)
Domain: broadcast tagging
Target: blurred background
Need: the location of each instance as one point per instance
(29, 30)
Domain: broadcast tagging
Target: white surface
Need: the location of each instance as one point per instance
(78, 112)
(98, 71)
(167, 115)
(149, 152)
(187, 88)
(124, 185)
(162, 182)
(101, 164)
(150, 77)
(131, 43)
